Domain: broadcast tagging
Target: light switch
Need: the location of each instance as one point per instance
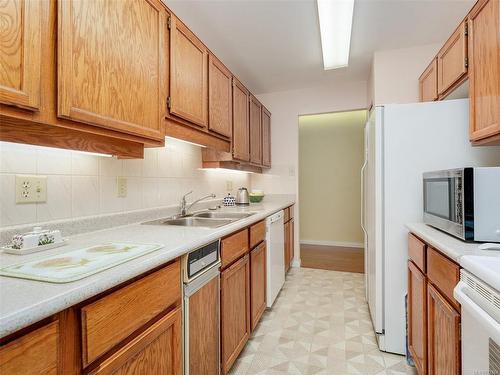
(121, 187)
(31, 189)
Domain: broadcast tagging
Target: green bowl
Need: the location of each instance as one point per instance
(255, 198)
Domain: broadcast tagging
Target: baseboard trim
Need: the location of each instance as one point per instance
(332, 243)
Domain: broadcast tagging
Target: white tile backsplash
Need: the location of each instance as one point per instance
(82, 185)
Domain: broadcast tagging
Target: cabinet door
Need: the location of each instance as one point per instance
(255, 131)
(266, 137)
(188, 75)
(235, 311)
(443, 335)
(157, 351)
(484, 72)
(20, 52)
(32, 354)
(292, 240)
(451, 60)
(241, 125)
(287, 246)
(220, 97)
(111, 64)
(258, 282)
(417, 317)
(428, 83)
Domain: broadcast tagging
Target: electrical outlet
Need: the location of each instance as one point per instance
(229, 185)
(121, 187)
(31, 189)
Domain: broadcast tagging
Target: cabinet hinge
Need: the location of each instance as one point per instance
(169, 102)
(466, 62)
(466, 31)
(169, 22)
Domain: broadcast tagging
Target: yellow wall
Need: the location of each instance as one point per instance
(331, 154)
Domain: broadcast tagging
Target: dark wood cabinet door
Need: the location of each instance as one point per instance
(111, 64)
(266, 137)
(241, 124)
(20, 53)
(220, 83)
(484, 71)
(443, 335)
(188, 75)
(417, 317)
(255, 131)
(157, 351)
(235, 311)
(258, 283)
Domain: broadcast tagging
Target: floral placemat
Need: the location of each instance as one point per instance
(78, 264)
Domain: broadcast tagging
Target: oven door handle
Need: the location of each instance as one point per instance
(480, 315)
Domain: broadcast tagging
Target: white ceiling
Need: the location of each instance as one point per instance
(274, 45)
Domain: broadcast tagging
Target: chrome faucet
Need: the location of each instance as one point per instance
(185, 208)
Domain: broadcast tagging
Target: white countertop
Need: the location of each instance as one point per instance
(450, 246)
(23, 302)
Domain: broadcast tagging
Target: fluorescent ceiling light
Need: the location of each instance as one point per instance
(335, 23)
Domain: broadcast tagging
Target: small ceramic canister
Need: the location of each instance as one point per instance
(229, 200)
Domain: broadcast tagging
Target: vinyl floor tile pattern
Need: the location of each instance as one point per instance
(319, 324)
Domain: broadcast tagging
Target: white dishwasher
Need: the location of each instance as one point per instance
(275, 239)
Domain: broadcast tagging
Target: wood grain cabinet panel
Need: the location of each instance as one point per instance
(188, 75)
(451, 60)
(20, 53)
(255, 131)
(111, 319)
(32, 354)
(157, 351)
(220, 83)
(417, 251)
(427, 83)
(417, 317)
(258, 283)
(257, 233)
(443, 335)
(484, 72)
(233, 247)
(241, 124)
(287, 247)
(266, 137)
(111, 64)
(443, 273)
(235, 311)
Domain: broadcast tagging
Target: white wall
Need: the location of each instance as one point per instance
(81, 185)
(286, 106)
(394, 74)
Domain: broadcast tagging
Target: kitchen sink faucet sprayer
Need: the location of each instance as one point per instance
(185, 208)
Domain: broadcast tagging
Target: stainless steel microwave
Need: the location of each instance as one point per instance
(464, 202)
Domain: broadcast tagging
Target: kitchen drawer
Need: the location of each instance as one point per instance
(257, 233)
(416, 252)
(290, 212)
(233, 247)
(443, 273)
(286, 214)
(34, 353)
(109, 320)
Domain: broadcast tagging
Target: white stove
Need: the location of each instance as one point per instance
(479, 295)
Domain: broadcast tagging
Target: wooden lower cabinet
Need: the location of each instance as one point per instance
(417, 317)
(258, 283)
(157, 351)
(443, 335)
(235, 311)
(287, 245)
(32, 354)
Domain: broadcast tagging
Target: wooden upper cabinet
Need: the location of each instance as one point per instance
(188, 75)
(452, 59)
(220, 83)
(157, 351)
(266, 137)
(484, 72)
(255, 131)
(111, 64)
(417, 317)
(241, 126)
(20, 53)
(427, 83)
(443, 335)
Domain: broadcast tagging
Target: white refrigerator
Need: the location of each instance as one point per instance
(401, 142)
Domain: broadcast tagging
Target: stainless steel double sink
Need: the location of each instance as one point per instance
(206, 219)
